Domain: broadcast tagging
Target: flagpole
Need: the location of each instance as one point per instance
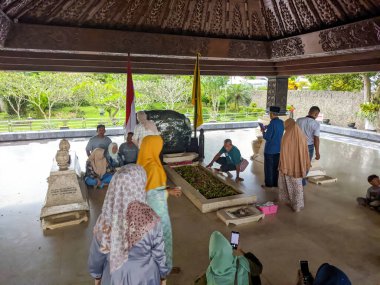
(196, 99)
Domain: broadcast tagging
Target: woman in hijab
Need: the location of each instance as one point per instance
(144, 128)
(225, 268)
(157, 191)
(128, 246)
(113, 157)
(293, 166)
(98, 171)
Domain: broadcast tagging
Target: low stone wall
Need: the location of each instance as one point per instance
(340, 107)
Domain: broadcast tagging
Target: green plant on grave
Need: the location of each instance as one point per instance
(209, 186)
(369, 111)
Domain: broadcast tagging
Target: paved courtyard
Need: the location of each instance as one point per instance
(332, 228)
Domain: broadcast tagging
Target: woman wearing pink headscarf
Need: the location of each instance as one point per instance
(128, 246)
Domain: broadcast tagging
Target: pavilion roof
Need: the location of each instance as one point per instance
(246, 37)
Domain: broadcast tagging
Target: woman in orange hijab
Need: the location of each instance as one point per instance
(293, 166)
(157, 191)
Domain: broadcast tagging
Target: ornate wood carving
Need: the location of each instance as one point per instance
(366, 33)
(41, 9)
(6, 3)
(72, 12)
(353, 8)
(17, 6)
(155, 12)
(271, 24)
(237, 22)
(130, 13)
(176, 17)
(104, 13)
(326, 12)
(289, 24)
(197, 16)
(218, 18)
(307, 19)
(247, 49)
(257, 29)
(5, 27)
(287, 47)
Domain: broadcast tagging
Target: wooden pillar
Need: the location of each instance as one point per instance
(277, 93)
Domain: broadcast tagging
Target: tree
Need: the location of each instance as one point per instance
(14, 90)
(213, 88)
(336, 82)
(80, 91)
(108, 91)
(46, 89)
(172, 90)
(239, 94)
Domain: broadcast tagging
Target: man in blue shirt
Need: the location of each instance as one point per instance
(231, 160)
(273, 136)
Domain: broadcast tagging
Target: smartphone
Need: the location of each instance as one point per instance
(304, 264)
(262, 126)
(235, 239)
(306, 275)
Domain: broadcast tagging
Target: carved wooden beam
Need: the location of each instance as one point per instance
(5, 27)
(38, 37)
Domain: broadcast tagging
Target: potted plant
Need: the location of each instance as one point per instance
(370, 113)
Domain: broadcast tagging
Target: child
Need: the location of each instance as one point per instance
(373, 193)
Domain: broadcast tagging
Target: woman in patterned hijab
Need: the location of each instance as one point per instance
(128, 245)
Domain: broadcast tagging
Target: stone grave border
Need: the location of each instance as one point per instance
(209, 205)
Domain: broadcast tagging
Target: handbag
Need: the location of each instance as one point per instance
(243, 164)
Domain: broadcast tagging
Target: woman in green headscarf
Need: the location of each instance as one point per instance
(225, 268)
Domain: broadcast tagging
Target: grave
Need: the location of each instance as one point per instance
(209, 205)
(66, 199)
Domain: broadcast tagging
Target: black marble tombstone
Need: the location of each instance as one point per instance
(175, 129)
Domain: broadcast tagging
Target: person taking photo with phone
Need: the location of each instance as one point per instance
(228, 266)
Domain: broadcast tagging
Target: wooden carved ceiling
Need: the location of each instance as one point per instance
(234, 36)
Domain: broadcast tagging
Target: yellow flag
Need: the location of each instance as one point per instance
(197, 98)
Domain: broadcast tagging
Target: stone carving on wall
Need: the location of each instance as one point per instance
(289, 24)
(288, 47)
(326, 12)
(357, 35)
(5, 27)
(237, 22)
(217, 19)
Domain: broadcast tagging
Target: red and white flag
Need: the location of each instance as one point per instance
(130, 112)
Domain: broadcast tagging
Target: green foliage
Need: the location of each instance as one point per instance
(369, 111)
(239, 94)
(336, 82)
